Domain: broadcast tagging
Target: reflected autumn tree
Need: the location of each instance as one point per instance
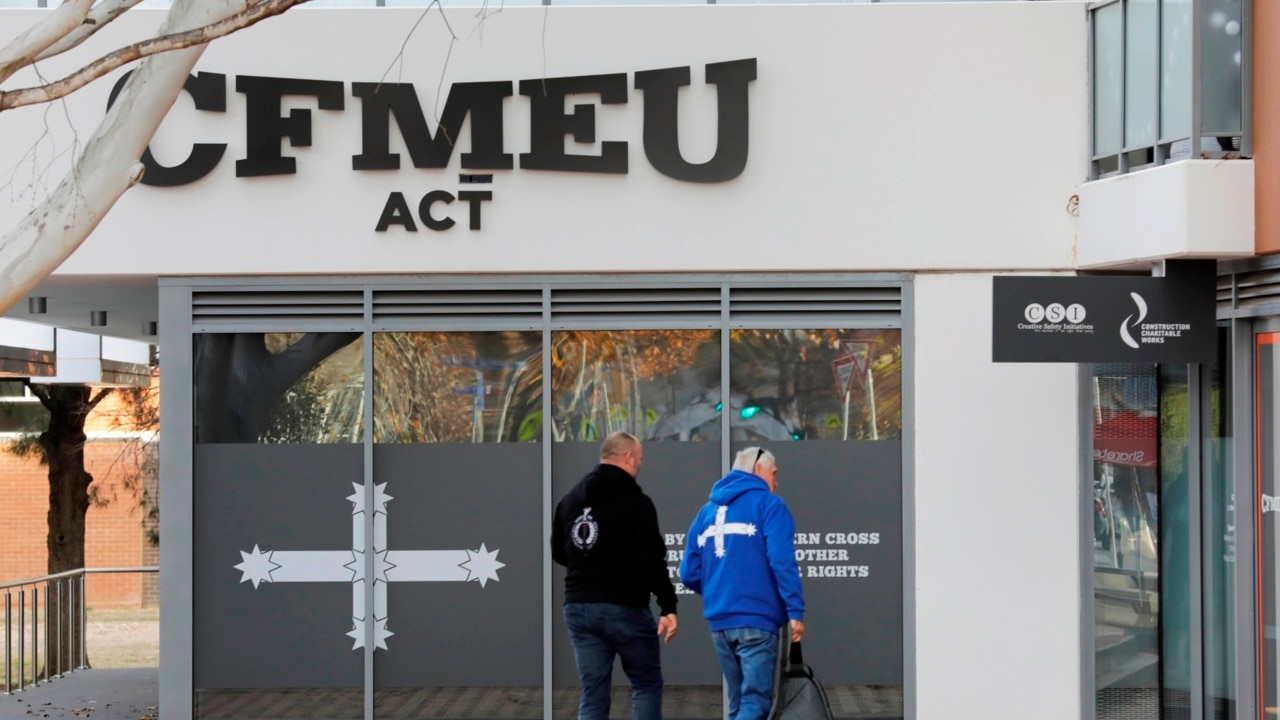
(457, 387)
(605, 381)
(278, 387)
(790, 376)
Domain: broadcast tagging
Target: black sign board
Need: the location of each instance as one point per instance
(1107, 318)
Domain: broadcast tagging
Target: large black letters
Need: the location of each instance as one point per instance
(482, 104)
(265, 128)
(661, 134)
(380, 102)
(208, 91)
(549, 124)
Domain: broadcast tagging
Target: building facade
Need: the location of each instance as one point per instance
(410, 266)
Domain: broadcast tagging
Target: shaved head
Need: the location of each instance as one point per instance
(618, 444)
(622, 449)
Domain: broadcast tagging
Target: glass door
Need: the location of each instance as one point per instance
(662, 386)
(457, 464)
(1266, 392)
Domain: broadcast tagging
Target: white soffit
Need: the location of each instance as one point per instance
(26, 349)
(88, 359)
(1187, 209)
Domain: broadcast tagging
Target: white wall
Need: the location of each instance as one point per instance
(997, 518)
(882, 137)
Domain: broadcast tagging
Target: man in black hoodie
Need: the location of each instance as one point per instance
(606, 534)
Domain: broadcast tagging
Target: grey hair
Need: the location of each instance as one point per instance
(746, 459)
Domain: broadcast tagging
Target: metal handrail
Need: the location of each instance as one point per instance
(57, 634)
(71, 573)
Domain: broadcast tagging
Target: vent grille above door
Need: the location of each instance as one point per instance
(694, 306)
(864, 306)
(299, 309)
(456, 307)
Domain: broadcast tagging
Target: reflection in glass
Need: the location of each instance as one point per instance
(1221, 40)
(1263, 507)
(816, 384)
(1174, 510)
(1126, 533)
(654, 384)
(438, 387)
(1175, 69)
(294, 388)
(1108, 79)
(1219, 535)
(278, 419)
(1141, 73)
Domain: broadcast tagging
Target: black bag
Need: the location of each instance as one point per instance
(797, 693)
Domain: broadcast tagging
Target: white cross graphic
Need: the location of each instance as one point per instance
(722, 528)
(259, 566)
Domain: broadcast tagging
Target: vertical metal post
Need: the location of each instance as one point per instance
(48, 624)
(1246, 79)
(548, 500)
(58, 626)
(1122, 160)
(35, 634)
(83, 622)
(1197, 31)
(22, 637)
(8, 643)
(71, 623)
(368, 572)
(1244, 500)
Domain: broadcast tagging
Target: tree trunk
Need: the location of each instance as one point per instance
(63, 445)
(239, 383)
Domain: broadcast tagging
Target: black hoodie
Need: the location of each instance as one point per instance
(606, 533)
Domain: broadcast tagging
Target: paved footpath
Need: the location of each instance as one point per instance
(131, 694)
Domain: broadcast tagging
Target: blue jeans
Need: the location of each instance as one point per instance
(748, 657)
(600, 631)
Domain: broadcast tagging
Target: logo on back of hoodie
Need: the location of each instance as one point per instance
(585, 530)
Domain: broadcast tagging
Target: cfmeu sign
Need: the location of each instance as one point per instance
(1107, 318)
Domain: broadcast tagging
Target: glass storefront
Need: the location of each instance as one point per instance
(278, 420)
(1126, 540)
(1164, 537)
(389, 488)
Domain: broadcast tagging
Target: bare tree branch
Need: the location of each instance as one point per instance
(110, 160)
(41, 394)
(102, 394)
(151, 46)
(98, 17)
(56, 25)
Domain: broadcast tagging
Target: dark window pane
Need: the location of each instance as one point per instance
(289, 388)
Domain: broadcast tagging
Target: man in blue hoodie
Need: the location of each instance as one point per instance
(740, 556)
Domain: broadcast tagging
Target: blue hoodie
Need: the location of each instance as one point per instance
(740, 556)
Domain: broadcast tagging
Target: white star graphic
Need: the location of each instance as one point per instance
(380, 566)
(380, 633)
(380, 499)
(482, 565)
(257, 566)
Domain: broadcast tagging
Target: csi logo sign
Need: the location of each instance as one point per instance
(1036, 313)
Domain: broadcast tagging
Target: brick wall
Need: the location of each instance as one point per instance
(115, 532)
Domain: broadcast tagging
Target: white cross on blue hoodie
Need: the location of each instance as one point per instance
(740, 556)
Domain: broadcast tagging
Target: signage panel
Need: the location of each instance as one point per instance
(1107, 318)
